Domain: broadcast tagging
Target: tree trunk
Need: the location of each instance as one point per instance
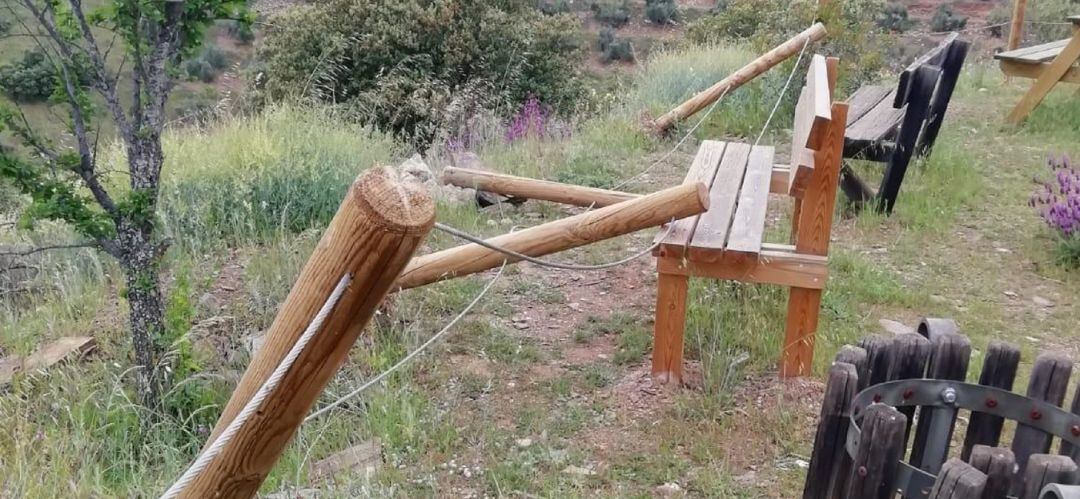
(141, 265)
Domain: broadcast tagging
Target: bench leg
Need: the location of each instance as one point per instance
(667, 358)
(1049, 77)
(804, 306)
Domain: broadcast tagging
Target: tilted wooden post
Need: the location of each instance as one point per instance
(623, 218)
(748, 72)
(530, 188)
(372, 237)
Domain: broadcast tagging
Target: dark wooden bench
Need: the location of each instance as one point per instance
(889, 421)
(893, 125)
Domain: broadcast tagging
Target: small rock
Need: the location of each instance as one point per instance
(895, 327)
(1003, 250)
(415, 170)
(668, 489)
(1011, 294)
(523, 442)
(1042, 302)
(1033, 339)
(578, 470)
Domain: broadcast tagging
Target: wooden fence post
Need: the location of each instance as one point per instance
(999, 465)
(829, 461)
(1044, 469)
(958, 480)
(748, 72)
(873, 472)
(1049, 380)
(1068, 449)
(372, 237)
(856, 356)
(999, 371)
(878, 354)
(949, 361)
(1016, 28)
(907, 360)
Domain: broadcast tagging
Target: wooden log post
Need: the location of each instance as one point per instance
(1016, 27)
(829, 460)
(1049, 381)
(372, 237)
(856, 356)
(748, 72)
(998, 464)
(878, 353)
(874, 470)
(528, 188)
(908, 358)
(1043, 470)
(958, 480)
(652, 210)
(999, 371)
(949, 361)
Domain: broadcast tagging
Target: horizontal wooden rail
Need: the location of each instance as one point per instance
(647, 211)
(529, 188)
(776, 264)
(1034, 71)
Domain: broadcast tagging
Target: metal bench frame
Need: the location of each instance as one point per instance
(909, 129)
(726, 241)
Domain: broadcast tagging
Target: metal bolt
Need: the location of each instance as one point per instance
(1076, 430)
(991, 402)
(1036, 415)
(948, 395)
(877, 397)
(862, 471)
(908, 393)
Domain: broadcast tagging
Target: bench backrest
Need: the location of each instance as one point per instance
(816, 154)
(928, 83)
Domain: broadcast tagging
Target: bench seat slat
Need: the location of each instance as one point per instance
(748, 226)
(713, 226)
(877, 124)
(865, 99)
(1034, 54)
(701, 170)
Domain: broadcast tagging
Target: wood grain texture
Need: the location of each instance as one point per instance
(829, 462)
(1068, 449)
(958, 480)
(528, 188)
(1033, 71)
(999, 370)
(878, 355)
(949, 361)
(856, 356)
(1042, 470)
(908, 358)
(713, 225)
(770, 266)
(874, 469)
(1033, 54)
(864, 99)
(813, 114)
(998, 464)
(748, 224)
(668, 331)
(1016, 26)
(1050, 76)
(374, 234)
(701, 170)
(1049, 381)
(748, 72)
(645, 212)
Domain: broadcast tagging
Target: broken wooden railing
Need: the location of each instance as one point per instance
(890, 410)
(366, 253)
(755, 68)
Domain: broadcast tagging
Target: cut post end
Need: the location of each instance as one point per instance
(396, 206)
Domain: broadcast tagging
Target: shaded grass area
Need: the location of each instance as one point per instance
(264, 186)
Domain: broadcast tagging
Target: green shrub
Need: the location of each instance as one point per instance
(5, 26)
(30, 79)
(240, 32)
(200, 69)
(998, 19)
(946, 20)
(894, 18)
(552, 7)
(661, 11)
(420, 64)
(618, 49)
(215, 57)
(1046, 20)
(614, 13)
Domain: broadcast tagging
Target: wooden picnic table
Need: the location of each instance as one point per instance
(1047, 64)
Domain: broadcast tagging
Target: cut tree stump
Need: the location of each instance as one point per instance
(364, 458)
(47, 356)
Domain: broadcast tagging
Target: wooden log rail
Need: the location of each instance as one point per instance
(925, 371)
(527, 188)
(737, 79)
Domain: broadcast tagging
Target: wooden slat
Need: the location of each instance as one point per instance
(703, 167)
(713, 225)
(748, 227)
(878, 355)
(829, 461)
(933, 57)
(958, 480)
(812, 115)
(779, 182)
(909, 355)
(949, 361)
(998, 465)
(864, 99)
(785, 268)
(877, 124)
(1042, 470)
(1034, 53)
(1050, 76)
(1049, 380)
(999, 370)
(1034, 71)
(874, 470)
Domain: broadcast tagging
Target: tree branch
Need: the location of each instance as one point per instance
(39, 249)
(107, 84)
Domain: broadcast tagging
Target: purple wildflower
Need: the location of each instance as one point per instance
(531, 120)
(1058, 200)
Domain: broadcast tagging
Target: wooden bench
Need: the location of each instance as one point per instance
(870, 443)
(893, 125)
(727, 241)
(1047, 64)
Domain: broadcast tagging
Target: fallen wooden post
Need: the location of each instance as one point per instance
(748, 72)
(372, 237)
(629, 216)
(528, 188)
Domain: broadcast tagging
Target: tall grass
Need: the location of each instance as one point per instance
(246, 179)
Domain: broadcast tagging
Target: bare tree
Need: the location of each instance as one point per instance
(62, 176)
